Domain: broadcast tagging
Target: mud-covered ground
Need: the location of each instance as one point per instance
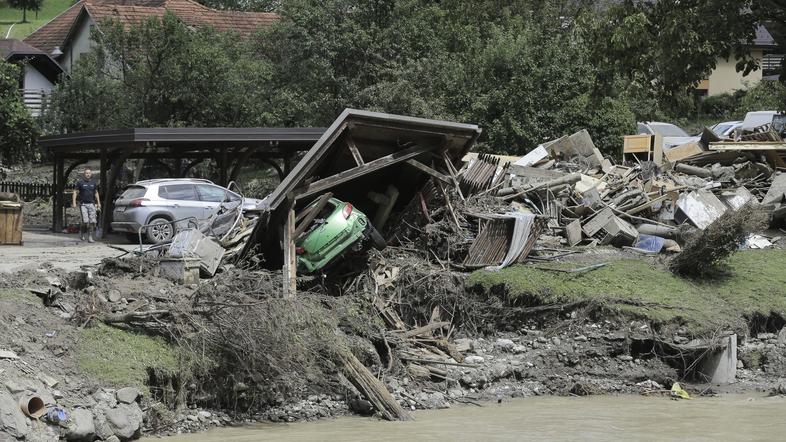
(113, 381)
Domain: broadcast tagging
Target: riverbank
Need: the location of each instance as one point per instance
(608, 331)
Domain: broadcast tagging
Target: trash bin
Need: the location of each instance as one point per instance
(10, 219)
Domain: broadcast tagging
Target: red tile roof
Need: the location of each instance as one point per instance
(132, 12)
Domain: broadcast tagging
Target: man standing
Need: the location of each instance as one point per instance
(86, 195)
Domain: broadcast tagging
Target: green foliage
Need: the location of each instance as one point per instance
(664, 48)
(17, 127)
(162, 74)
(764, 96)
(243, 5)
(721, 106)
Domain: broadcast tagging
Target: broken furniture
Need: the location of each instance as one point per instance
(191, 243)
(504, 239)
(642, 148)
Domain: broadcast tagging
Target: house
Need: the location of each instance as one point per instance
(40, 71)
(67, 36)
(726, 79)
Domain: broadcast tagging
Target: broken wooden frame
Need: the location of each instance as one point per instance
(376, 161)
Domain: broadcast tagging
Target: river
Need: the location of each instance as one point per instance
(594, 418)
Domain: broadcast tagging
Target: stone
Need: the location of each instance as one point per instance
(765, 336)
(720, 367)
(474, 359)
(463, 345)
(12, 421)
(105, 396)
(127, 395)
(114, 295)
(204, 414)
(81, 426)
(504, 344)
(14, 387)
(555, 340)
(102, 428)
(740, 365)
(625, 357)
(580, 338)
(782, 337)
(518, 349)
(125, 420)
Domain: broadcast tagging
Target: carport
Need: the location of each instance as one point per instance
(378, 162)
(230, 148)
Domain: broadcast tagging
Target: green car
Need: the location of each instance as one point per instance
(337, 229)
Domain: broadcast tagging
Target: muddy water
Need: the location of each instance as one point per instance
(601, 418)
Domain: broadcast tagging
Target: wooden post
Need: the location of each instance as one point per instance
(102, 185)
(289, 273)
(59, 188)
(54, 195)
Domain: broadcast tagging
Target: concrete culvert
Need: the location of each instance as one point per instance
(32, 406)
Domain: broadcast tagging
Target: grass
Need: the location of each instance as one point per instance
(121, 358)
(756, 283)
(10, 16)
(19, 294)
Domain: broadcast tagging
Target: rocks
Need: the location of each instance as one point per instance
(114, 295)
(580, 338)
(127, 395)
(472, 360)
(782, 337)
(125, 420)
(463, 345)
(81, 426)
(504, 344)
(12, 421)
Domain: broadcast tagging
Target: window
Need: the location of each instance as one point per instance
(211, 193)
(233, 196)
(668, 130)
(178, 192)
(133, 192)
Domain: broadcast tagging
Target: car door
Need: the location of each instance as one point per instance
(211, 196)
(181, 200)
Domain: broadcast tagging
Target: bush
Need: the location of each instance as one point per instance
(766, 95)
(720, 106)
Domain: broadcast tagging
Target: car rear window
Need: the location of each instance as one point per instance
(669, 130)
(177, 192)
(134, 192)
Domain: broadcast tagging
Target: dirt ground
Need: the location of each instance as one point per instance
(63, 251)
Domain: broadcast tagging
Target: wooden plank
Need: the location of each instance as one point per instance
(289, 273)
(353, 149)
(365, 169)
(312, 213)
(428, 170)
(748, 145)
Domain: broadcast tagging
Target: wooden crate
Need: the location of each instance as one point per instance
(10, 223)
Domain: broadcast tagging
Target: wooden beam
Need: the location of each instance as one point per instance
(354, 150)
(289, 273)
(428, 170)
(307, 218)
(748, 145)
(365, 169)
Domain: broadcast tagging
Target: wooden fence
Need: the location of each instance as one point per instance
(30, 191)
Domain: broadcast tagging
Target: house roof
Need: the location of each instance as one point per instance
(14, 50)
(133, 12)
(763, 38)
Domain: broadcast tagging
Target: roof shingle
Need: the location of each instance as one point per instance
(134, 12)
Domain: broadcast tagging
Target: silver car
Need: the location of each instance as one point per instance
(157, 203)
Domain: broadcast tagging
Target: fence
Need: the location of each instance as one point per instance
(30, 191)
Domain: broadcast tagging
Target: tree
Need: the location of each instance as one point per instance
(665, 48)
(17, 127)
(162, 74)
(24, 5)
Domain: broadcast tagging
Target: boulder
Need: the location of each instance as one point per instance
(125, 420)
(504, 344)
(114, 295)
(12, 421)
(127, 395)
(81, 426)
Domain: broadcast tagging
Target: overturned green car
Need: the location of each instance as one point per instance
(337, 229)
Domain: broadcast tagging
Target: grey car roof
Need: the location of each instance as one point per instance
(172, 180)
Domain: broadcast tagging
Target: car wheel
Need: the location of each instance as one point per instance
(377, 240)
(160, 230)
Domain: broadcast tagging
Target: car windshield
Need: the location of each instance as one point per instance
(720, 129)
(668, 130)
(133, 192)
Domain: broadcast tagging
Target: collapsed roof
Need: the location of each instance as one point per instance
(360, 156)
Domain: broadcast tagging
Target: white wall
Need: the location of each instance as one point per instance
(725, 77)
(78, 45)
(35, 80)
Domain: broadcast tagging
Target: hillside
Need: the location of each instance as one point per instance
(11, 17)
